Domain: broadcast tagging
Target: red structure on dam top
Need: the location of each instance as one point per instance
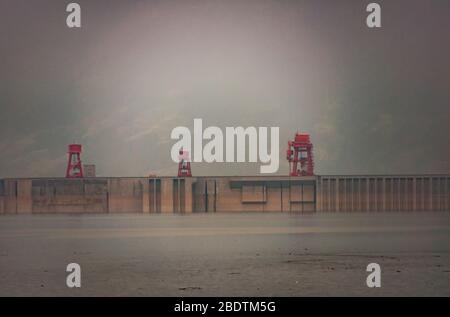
(300, 157)
(184, 166)
(74, 167)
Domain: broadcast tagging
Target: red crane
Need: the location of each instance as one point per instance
(300, 156)
(184, 165)
(74, 167)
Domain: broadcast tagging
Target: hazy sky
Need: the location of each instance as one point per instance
(374, 100)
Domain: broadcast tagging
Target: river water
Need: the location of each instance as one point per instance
(243, 254)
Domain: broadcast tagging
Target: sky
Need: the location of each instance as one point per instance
(375, 101)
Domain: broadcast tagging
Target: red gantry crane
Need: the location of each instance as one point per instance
(74, 167)
(184, 165)
(300, 156)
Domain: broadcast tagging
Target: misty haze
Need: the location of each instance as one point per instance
(375, 101)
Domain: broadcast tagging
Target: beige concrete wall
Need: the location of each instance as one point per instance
(384, 193)
(206, 194)
(24, 199)
(10, 198)
(199, 195)
(285, 199)
(145, 196)
(125, 195)
(69, 196)
(226, 194)
(167, 195)
(265, 194)
(189, 195)
(154, 195)
(2, 196)
(274, 196)
(296, 198)
(234, 199)
(213, 187)
(302, 198)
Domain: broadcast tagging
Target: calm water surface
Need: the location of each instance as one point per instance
(245, 254)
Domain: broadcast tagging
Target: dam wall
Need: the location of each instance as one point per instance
(384, 193)
(235, 194)
(371, 193)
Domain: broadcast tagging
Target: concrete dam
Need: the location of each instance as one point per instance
(352, 193)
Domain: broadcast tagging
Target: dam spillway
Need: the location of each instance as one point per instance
(351, 193)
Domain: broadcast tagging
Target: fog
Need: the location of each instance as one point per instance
(374, 100)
